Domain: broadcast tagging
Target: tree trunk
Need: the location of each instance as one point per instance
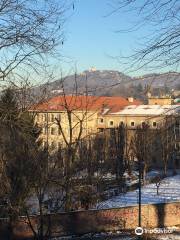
(67, 183)
(165, 168)
(157, 190)
(41, 228)
(144, 173)
(68, 197)
(10, 229)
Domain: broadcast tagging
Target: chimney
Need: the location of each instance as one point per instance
(148, 94)
(130, 99)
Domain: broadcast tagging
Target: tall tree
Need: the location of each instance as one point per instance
(117, 139)
(18, 149)
(143, 147)
(75, 118)
(167, 135)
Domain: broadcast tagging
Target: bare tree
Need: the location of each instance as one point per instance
(30, 32)
(101, 156)
(161, 47)
(76, 114)
(118, 135)
(47, 193)
(158, 183)
(167, 142)
(143, 147)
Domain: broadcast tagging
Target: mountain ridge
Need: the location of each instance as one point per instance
(112, 82)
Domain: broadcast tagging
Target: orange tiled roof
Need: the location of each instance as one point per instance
(93, 103)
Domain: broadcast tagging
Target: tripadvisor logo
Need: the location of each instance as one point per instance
(139, 231)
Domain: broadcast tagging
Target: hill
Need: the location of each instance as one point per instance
(111, 83)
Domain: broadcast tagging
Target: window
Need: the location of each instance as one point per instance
(154, 124)
(101, 120)
(52, 117)
(111, 123)
(53, 131)
(132, 124)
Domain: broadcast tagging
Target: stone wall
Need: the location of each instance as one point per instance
(81, 222)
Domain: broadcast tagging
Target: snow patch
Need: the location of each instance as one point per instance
(169, 191)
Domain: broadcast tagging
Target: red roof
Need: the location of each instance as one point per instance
(93, 103)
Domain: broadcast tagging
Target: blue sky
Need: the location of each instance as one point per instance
(92, 40)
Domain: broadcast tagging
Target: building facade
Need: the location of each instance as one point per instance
(66, 118)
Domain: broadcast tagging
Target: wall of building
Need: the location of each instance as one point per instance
(160, 101)
(92, 221)
(94, 122)
(50, 130)
(153, 121)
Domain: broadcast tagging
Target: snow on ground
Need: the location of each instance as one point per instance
(168, 237)
(100, 236)
(107, 236)
(169, 191)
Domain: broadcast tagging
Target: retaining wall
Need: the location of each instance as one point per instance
(81, 222)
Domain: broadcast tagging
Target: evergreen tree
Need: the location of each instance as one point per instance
(19, 147)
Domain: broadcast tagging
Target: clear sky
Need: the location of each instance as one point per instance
(92, 40)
